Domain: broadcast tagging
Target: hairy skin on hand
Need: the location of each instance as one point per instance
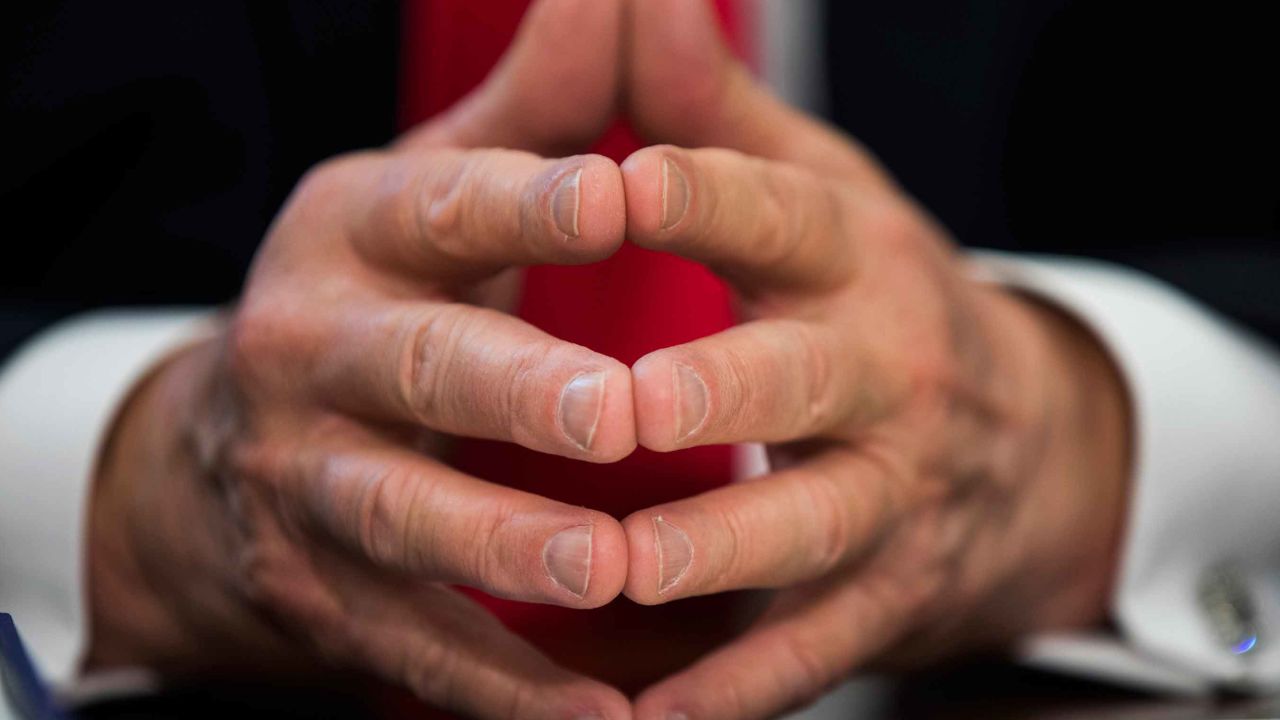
(950, 460)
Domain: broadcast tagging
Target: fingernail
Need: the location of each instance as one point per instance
(567, 558)
(691, 400)
(677, 716)
(675, 194)
(675, 552)
(565, 201)
(580, 404)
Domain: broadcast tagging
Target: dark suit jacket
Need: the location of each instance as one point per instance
(147, 144)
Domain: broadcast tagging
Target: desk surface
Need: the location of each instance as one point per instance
(990, 691)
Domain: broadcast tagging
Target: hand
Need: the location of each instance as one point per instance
(265, 503)
(948, 458)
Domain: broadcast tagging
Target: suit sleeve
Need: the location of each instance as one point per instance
(58, 395)
(1197, 600)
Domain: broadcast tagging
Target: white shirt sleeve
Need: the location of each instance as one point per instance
(58, 395)
(1197, 600)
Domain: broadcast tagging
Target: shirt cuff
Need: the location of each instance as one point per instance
(58, 395)
(1197, 599)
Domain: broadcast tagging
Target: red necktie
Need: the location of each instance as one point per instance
(625, 307)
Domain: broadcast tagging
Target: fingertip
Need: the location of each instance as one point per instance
(661, 557)
(673, 401)
(641, 580)
(609, 560)
(583, 559)
(578, 404)
(602, 218)
(654, 399)
(583, 205)
(614, 437)
(642, 178)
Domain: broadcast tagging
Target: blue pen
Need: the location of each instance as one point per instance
(27, 694)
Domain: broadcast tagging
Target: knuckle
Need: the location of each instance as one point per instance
(325, 182)
(250, 464)
(386, 519)
(825, 502)
(420, 365)
(261, 571)
(736, 534)
(430, 360)
(335, 634)
(319, 181)
(520, 390)
(281, 585)
(839, 260)
(271, 339)
(521, 703)
(275, 574)
(783, 228)
(895, 225)
(934, 381)
(812, 674)
(252, 337)
(430, 670)
(220, 436)
(817, 398)
(488, 562)
(735, 378)
(374, 510)
(440, 203)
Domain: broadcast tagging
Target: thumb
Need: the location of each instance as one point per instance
(553, 92)
(685, 87)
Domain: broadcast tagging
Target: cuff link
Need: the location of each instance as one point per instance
(1228, 605)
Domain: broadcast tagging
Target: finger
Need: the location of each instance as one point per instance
(473, 665)
(685, 87)
(456, 216)
(794, 525)
(765, 381)
(788, 660)
(758, 223)
(475, 372)
(444, 648)
(553, 92)
(421, 519)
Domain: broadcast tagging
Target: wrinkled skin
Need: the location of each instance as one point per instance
(949, 459)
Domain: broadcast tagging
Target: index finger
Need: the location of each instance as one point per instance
(456, 216)
(759, 223)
